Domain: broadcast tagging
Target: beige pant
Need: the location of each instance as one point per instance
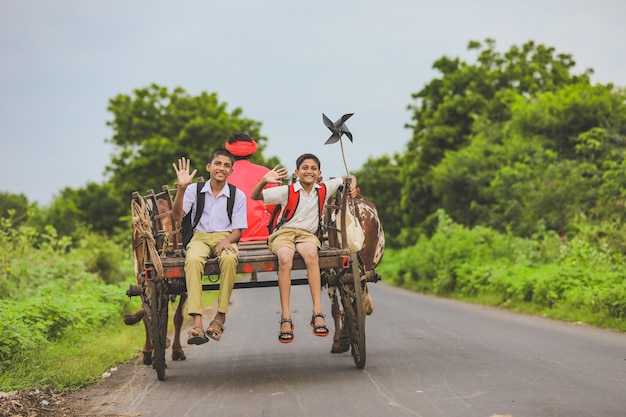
(201, 246)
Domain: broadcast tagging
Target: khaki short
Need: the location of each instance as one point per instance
(288, 236)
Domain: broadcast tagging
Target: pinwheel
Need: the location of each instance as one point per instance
(338, 129)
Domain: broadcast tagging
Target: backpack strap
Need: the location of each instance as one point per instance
(321, 194)
(199, 204)
(280, 216)
(293, 199)
(231, 202)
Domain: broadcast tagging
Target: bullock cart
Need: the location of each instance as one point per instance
(160, 271)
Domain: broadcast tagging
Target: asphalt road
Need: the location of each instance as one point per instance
(425, 357)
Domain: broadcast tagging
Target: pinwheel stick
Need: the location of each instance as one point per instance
(343, 155)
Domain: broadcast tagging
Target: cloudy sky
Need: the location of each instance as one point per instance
(283, 62)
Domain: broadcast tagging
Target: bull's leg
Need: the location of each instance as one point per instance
(335, 311)
(177, 350)
(132, 319)
(148, 349)
(368, 302)
(344, 336)
(340, 343)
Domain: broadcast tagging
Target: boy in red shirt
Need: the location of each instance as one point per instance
(245, 176)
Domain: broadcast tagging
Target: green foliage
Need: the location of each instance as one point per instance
(154, 127)
(575, 279)
(95, 207)
(54, 309)
(14, 206)
(501, 141)
(447, 108)
(379, 181)
(74, 361)
(48, 289)
(545, 165)
(61, 307)
(110, 261)
(30, 259)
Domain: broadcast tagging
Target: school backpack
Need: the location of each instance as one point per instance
(293, 198)
(188, 227)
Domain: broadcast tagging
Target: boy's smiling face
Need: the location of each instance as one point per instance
(308, 172)
(220, 168)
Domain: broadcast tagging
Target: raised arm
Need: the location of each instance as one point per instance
(184, 178)
(274, 176)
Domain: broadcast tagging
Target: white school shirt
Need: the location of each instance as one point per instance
(306, 216)
(215, 215)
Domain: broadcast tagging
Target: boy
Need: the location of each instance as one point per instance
(215, 234)
(245, 176)
(298, 234)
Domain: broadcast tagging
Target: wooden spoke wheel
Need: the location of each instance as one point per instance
(158, 299)
(352, 299)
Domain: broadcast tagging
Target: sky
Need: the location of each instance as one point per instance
(282, 62)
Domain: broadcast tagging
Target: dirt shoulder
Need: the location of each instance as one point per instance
(87, 402)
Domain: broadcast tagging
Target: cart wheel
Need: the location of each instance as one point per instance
(158, 325)
(352, 301)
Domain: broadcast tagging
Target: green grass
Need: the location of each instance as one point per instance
(576, 281)
(80, 358)
(76, 360)
(561, 311)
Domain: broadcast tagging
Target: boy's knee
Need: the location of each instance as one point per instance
(285, 260)
(228, 259)
(310, 257)
(194, 260)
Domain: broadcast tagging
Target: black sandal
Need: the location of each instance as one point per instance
(286, 336)
(320, 330)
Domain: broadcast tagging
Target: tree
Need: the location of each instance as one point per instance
(547, 165)
(379, 182)
(448, 107)
(16, 204)
(154, 127)
(93, 207)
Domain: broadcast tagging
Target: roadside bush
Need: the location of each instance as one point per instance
(574, 280)
(103, 257)
(49, 290)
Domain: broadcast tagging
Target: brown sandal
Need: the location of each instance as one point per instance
(213, 332)
(197, 339)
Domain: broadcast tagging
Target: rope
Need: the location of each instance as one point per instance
(142, 231)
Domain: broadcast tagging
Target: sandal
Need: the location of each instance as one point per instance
(286, 336)
(320, 330)
(213, 332)
(199, 338)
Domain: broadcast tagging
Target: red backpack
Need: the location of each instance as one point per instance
(293, 198)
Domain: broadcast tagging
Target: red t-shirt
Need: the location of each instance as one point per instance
(245, 176)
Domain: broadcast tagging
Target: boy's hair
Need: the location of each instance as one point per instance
(302, 157)
(222, 152)
(239, 137)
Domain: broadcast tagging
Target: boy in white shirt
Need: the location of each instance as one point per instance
(298, 234)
